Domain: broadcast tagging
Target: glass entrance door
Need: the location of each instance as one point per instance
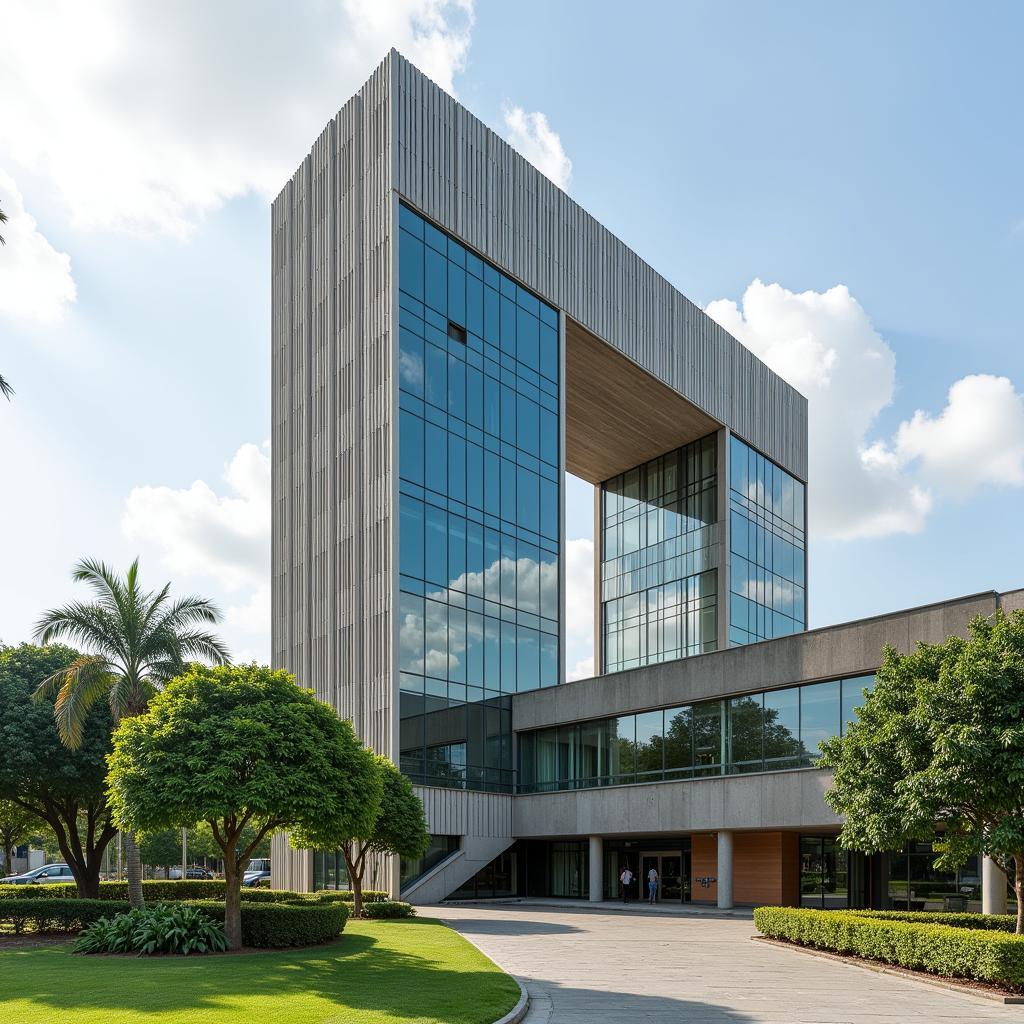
(673, 875)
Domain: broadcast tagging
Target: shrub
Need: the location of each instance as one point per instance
(175, 928)
(307, 920)
(369, 895)
(163, 891)
(389, 908)
(937, 948)
(982, 922)
(55, 915)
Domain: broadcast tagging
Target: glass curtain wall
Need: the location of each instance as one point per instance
(916, 884)
(761, 732)
(479, 477)
(658, 559)
(766, 538)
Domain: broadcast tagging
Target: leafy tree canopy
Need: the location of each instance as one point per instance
(17, 826)
(937, 751)
(237, 746)
(65, 788)
(399, 828)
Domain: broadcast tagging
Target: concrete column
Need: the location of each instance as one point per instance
(993, 887)
(596, 869)
(724, 870)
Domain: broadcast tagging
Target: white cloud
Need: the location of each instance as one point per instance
(532, 136)
(579, 608)
(145, 115)
(977, 439)
(35, 279)
(223, 537)
(825, 346)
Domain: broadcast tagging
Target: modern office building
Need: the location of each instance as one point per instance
(452, 335)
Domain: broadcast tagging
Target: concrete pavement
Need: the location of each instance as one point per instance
(592, 964)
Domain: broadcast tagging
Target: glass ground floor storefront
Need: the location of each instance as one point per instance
(805, 869)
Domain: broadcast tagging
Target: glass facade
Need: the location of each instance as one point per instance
(659, 539)
(916, 884)
(440, 849)
(825, 873)
(767, 542)
(761, 732)
(479, 518)
(329, 871)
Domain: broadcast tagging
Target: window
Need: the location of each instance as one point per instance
(769, 731)
(659, 557)
(480, 469)
(766, 541)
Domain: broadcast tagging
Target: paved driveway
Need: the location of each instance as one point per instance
(597, 966)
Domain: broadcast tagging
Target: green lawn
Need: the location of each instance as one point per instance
(379, 972)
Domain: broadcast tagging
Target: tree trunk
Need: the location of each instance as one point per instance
(135, 897)
(232, 900)
(355, 878)
(8, 858)
(1018, 889)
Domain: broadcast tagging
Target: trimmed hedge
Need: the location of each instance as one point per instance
(980, 922)
(157, 891)
(388, 909)
(56, 915)
(958, 952)
(307, 921)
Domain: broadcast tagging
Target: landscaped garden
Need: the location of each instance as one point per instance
(134, 734)
(379, 971)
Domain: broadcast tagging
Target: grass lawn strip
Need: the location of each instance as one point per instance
(379, 972)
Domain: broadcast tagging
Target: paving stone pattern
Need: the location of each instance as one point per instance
(583, 966)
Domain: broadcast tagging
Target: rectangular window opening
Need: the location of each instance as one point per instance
(456, 333)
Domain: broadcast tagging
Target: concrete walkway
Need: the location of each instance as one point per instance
(592, 966)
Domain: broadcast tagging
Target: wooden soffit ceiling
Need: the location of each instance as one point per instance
(618, 415)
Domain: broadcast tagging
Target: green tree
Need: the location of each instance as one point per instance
(937, 752)
(238, 746)
(63, 787)
(161, 849)
(202, 844)
(135, 641)
(17, 826)
(399, 828)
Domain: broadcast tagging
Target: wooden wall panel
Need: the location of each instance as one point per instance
(703, 864)
(765, 870)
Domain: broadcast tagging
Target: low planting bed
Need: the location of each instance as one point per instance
(293, 919)
(953, 947)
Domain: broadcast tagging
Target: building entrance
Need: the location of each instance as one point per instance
(673, 867)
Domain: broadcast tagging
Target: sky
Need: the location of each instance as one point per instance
(840, 186)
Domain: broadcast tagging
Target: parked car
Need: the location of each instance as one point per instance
(175, 873)
(47, 874)
(256, 879)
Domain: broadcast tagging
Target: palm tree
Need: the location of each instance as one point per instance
(135, 641)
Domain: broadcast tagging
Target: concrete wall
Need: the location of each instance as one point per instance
(773, 800)
(484, 823)
(332, 416)
(849, 649)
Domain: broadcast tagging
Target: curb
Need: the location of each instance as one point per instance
(949, 985)
(519, 1011)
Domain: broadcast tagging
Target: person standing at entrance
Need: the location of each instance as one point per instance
(626, 878)
(652, 886)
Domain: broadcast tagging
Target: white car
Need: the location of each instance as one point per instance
(47, 874)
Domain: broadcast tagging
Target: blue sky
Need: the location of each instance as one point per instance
(875, 147)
